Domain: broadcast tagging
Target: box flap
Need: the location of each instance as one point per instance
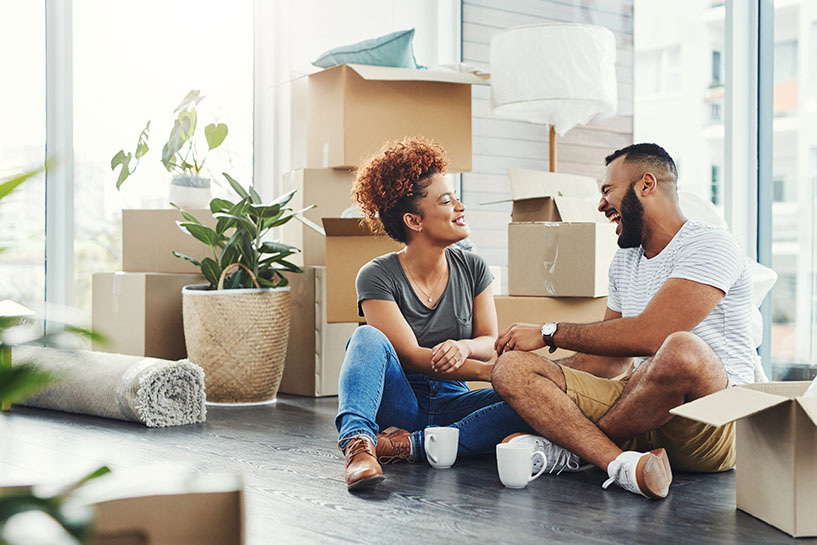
(388, 73)
(346, 227)
(809, 405)
(534, 184)
(573, 209)
(728, 405)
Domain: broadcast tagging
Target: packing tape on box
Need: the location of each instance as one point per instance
(116, 290)
(549, 266)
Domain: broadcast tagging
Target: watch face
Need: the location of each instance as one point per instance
(549, 329)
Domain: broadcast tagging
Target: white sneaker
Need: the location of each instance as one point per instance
(557, 459)
(645, 473)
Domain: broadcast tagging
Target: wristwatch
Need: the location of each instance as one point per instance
(548, 331)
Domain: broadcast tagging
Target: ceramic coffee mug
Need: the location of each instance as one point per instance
(441, 446)
(515, 464)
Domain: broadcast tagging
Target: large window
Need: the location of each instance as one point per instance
(22, 147)
(134, 64)
(794, 298)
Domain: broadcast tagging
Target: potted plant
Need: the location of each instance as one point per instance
(188, 188)
(236, 327)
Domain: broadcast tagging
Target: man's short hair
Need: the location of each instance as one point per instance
(652, 156)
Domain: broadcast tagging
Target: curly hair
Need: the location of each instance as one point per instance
(392, 181)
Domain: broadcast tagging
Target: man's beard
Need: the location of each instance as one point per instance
(632, 220)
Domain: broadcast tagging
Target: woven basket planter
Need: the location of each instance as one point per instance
(239, 337)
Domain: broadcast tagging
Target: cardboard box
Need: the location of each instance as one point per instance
(539, 310)
(141, 313)
(349, 246)
(184, 509)
(316, 348)
(559, 244)
(355, 109)
(149, 236)
(558, 259)
(330, 190)
(776, 470)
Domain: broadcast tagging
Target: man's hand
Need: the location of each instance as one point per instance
(447, 356)
(525, 337)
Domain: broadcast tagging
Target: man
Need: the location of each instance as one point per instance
(676, 327)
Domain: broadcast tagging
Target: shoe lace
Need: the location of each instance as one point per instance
(357, 445)
(618, 474)
(562, 459)
(399, 451)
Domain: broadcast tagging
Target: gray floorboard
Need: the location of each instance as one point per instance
(295, 491)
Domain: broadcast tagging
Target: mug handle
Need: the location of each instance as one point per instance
(430, 439)
(544, 464)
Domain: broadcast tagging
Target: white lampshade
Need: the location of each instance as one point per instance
(561, 74)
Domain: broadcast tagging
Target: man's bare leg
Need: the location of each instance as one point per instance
(535, 388)
(683, 369)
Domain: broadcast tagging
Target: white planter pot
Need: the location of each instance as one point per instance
(191, 198)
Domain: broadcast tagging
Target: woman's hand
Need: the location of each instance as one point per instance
(448, 356)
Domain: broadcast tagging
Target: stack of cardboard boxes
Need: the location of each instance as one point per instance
(349, 112)
(559, 251)
(139, 310)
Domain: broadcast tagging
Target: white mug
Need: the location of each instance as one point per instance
(441, 446)
(515, 464)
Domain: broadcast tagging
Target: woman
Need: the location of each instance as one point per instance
(431, 323)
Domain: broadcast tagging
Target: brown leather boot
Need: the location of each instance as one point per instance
(394, 445)
(362, 468)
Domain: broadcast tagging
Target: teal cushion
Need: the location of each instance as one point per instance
(393, 49)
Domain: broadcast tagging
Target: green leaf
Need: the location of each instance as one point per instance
(210, 270)
(236, 280)
(220, 205)
(21, 381)
(186, 258)
(142, 144)
(289, 266)
(223, 224)
(187, 120)
(201, 232)
(186, 215)
(230, 254)
(193, 97)
(215, 134)
(275, 247)
(266, 211)
(237, 186)
(275, 258)
(256, 198)
(284, 199)
(174, 143)
(242, 221)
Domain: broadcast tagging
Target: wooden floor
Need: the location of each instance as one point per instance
(295, 492)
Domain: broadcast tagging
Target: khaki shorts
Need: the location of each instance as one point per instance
(691, 446)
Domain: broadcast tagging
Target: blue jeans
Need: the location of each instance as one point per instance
(374, 393)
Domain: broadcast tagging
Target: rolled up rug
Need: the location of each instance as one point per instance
(158, 393)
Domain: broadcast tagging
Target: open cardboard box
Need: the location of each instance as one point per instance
(776, 469)
(329, 189)
(355, 109)
(349, 246)
(559, 244)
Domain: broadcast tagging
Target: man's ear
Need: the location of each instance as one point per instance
(413, 222)
(647, 184)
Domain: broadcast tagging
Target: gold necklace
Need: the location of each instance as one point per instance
(411, 277)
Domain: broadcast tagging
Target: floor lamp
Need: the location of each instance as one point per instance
(560, 74)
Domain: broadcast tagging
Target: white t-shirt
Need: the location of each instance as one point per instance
(703, 254)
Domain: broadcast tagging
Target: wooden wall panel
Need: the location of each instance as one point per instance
(499, 144)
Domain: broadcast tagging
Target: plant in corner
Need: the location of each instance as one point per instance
(180, 154)
(236, 327)
(18, 382)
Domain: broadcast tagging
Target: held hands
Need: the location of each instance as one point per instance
(448, 356)
(525, 337)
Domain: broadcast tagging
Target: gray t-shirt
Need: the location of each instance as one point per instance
(383, 278)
